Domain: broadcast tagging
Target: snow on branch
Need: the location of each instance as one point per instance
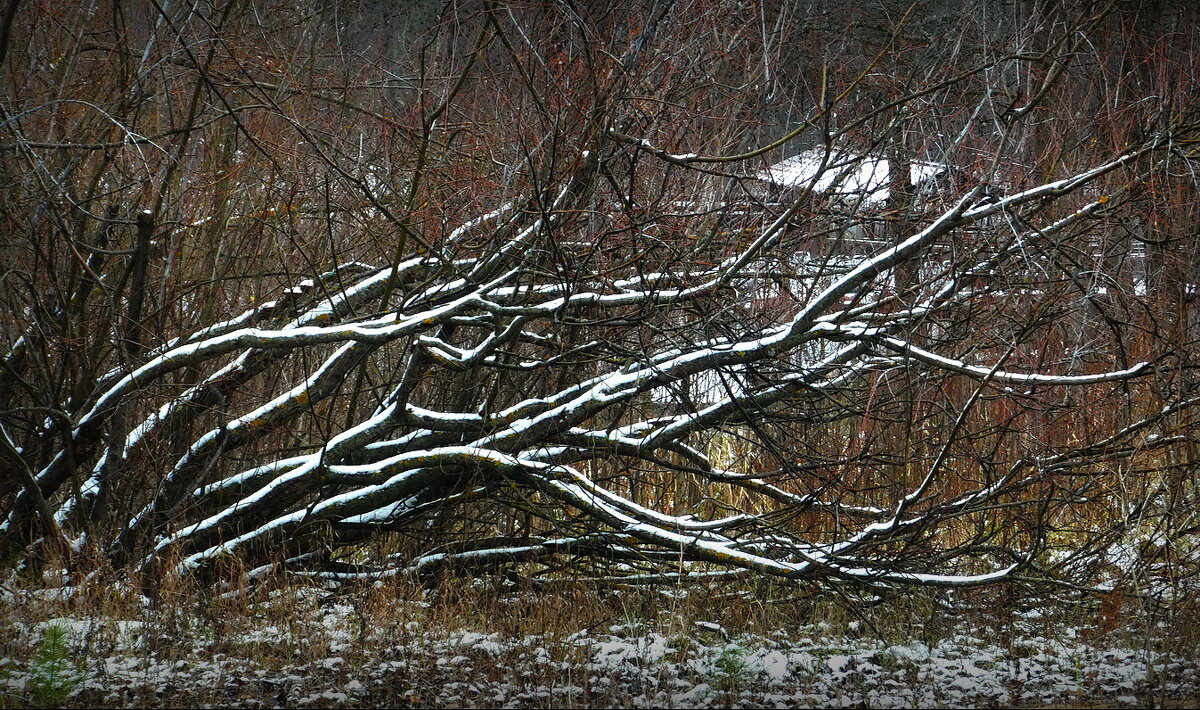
(885, 359)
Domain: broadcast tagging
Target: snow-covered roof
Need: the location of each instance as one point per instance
(867, 176)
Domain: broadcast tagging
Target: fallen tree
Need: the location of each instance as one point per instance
(585, 355)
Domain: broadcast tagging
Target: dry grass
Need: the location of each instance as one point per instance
(472, 643)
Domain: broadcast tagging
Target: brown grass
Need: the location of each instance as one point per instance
(398, 643)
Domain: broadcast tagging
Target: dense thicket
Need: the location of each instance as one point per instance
(868, 292)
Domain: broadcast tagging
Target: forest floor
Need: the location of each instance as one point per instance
(468, 645)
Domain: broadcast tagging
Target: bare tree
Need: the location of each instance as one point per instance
(624, 296)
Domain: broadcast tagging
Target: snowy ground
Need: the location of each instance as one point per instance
(330, 656)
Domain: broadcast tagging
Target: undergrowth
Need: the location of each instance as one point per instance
(474, 643)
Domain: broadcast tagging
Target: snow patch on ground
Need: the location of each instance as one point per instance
(332, 658)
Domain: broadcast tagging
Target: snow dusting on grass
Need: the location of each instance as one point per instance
(331, 655)
(407, 647)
